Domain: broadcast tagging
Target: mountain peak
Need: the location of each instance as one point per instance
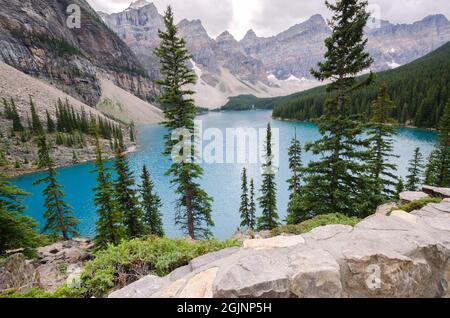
(250, 35)
(435, 18)
(316, 18)
(225, 36)
(140, 4)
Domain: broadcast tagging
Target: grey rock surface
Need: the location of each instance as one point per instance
(397, 255)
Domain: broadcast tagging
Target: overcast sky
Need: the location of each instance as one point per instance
(269, 17)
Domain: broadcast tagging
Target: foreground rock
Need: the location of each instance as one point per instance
(18, 274)
(63, 262)
(57, 264)
(397, 255)
(437, 192)
(410, 196)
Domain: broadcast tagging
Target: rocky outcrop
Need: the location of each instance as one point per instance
(35, 39)
(45, 98)
(57, 264)
(18, 274)
(400, 255)
(63, 262)
(410, 196)
(437, 192)
(292, 52)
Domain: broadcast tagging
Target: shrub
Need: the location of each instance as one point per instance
(418, 204)
(118, 266)
(61, 292)
(309, 225)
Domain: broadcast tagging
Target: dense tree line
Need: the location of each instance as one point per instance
(124, 210)
(419, 89)
(68, 125)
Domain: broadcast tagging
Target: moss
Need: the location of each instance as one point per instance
(321, 220)
(418, 204)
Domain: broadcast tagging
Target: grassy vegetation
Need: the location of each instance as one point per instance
(61, 292)
(121, 265)
(417, 205)
(118, 266)
(309, 225)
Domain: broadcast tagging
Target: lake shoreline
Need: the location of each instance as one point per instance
(396, 126)
(30, 172)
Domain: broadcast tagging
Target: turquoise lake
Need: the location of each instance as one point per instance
(221, 181)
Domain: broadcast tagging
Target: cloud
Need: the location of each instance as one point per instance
(269, 17)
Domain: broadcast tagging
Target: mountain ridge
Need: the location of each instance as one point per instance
(271, 63)
(419, 89)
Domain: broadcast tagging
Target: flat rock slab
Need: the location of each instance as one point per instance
(314, 273)
(254, 274)
(437, 192)
(143, 288)
(211, 257)
(274, 242)
(410, 196)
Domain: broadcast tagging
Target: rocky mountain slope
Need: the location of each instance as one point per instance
(273, 66)
(397, 255)
(222, 65)
(35, 39)
(21, 155)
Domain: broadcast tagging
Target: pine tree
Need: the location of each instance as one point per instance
(58, 214)
(296, 213)
(381, 132)
(16, 230)
(268, 199)
(151, 205)
(244, 209)
(443, 150)
(126, 197)
(132, 132)
(36, 125)
(50, 123)
(109, 226)
(415, 171)
(431, 168)
(337, 182)
(400, 187)
(252, 207)
(193, 205)
(14, 116)
(295, 166)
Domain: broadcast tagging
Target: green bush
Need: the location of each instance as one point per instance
(118, 266)
(61, 292)
(321, 220)
(418, 204)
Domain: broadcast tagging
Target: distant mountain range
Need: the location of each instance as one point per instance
(420, 90)
(119, 47)
(271, 66)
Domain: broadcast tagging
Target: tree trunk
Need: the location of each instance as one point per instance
(189, 214)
